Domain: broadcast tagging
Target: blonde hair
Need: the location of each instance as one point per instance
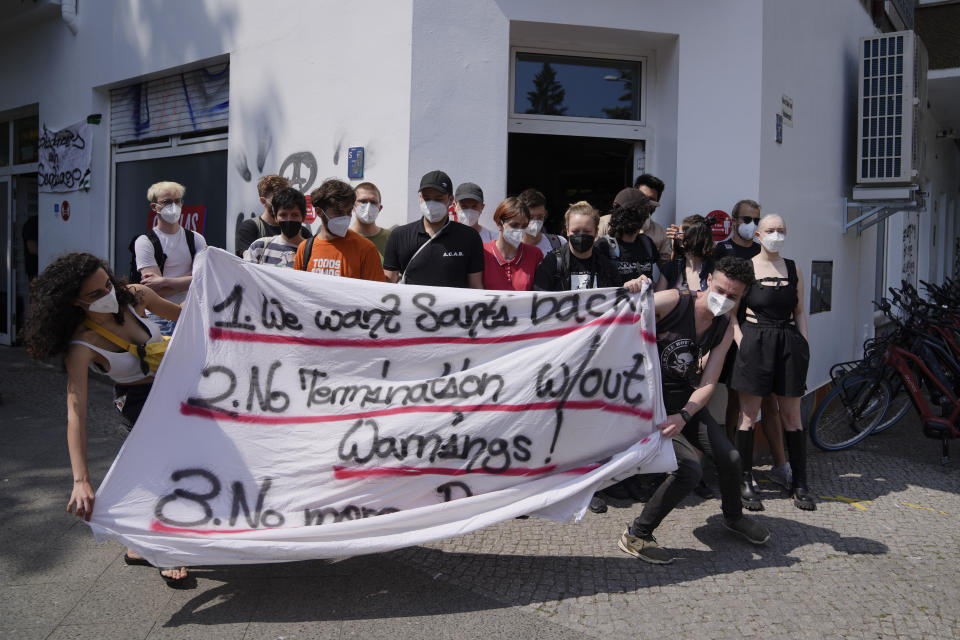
(154, 191)
(772, 215)
(579, 209)
(270, 184)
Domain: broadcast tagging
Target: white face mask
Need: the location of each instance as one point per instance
(773, 242)
(746, 231)
(337, 226)
(107, 304)
(432, 210)
(170, 213)
(719, 304)
(469, 217)
(533, 229)
(512, 236)
(367, 212)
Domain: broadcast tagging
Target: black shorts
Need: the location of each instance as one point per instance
(771, 360)
(129, 400)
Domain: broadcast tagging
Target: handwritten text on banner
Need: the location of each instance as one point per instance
(300, 416)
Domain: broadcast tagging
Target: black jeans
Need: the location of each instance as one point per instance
(709, 436)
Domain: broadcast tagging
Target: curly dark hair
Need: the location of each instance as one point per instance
(736, 269)
(624, 220)
(697, 237)
(647, 180)
(53, 316)
(289, 198)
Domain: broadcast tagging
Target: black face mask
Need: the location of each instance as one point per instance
(581, 242)
(289, 228)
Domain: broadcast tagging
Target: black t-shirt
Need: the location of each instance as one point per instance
(680, 351)
(635, 258)
(249, 230)
(731, 248)
(455, 251)
(560, 270)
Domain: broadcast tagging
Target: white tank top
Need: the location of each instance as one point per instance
(124, 366)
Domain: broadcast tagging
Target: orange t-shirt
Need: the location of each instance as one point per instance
(351, 256)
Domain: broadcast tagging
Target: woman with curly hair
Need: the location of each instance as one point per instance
(72, 298)
(634, 253)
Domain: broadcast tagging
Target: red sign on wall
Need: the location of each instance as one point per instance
(193, 217)
(311, 215)
(721, 224)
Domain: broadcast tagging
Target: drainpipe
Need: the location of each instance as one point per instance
(68, 13)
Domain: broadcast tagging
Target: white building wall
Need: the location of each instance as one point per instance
(304, 76)
(705, 98)
(813, 60)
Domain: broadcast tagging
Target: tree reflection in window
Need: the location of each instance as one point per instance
(575, 86)
(548, 94)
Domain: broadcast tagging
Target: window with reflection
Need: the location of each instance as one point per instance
(25, 135)
(4, 144)
(573, 86)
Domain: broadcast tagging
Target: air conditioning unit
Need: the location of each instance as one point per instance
(893, 97)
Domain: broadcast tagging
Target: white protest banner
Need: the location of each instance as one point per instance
(299, 416)
(64, 158)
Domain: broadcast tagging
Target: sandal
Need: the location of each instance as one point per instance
(173, 583)
(139, 562)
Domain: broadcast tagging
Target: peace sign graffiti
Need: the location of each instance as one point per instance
(293, 166)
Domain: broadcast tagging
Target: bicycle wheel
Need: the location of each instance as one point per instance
(849, 412)
(899, 406)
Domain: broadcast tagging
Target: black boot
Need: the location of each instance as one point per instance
(749, 497)
(797, 453)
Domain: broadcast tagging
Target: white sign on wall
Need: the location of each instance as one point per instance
(786, 110)
(299, 416)
(64, 159)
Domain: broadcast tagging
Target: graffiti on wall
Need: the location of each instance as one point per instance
(190, 101)
(909, 272)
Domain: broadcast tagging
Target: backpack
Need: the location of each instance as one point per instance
(158, 253)
(553, 240)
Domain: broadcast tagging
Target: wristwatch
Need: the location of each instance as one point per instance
(685, 415)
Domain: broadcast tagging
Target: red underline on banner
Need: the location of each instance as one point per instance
(219, 414)
(216, 333)
(162, 528)
(345, 473)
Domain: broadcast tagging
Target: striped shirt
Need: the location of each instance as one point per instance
(272, 250)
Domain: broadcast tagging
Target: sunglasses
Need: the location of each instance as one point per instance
(748, 219)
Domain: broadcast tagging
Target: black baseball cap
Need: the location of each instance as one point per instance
(436, 180)
(469, 191)
(632, 198)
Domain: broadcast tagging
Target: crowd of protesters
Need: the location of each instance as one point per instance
(730, 312)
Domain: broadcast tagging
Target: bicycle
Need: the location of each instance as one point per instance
(866, 396)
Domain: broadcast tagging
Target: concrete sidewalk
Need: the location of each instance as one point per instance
(878, 559)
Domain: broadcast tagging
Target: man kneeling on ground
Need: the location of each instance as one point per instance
(693, 335)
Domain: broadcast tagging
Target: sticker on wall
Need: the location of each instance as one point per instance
(311, 215)
(720, 224)
(779, 128)
(786, 110)
(65, 210)
(355, 163)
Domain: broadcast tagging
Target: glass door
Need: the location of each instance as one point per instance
(7, 282)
